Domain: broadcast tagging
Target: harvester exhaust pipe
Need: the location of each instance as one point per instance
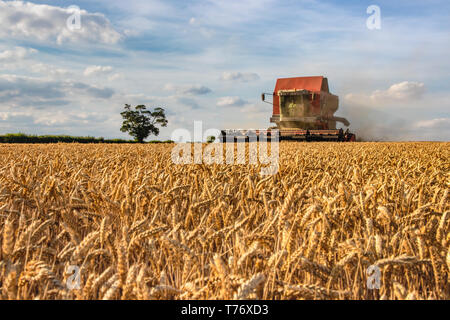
(342, 120)
(263, 97)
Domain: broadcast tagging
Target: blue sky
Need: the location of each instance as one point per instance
(210, 60)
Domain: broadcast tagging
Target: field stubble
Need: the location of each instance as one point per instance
(139, 227)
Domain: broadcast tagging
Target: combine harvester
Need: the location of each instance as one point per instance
(303, 110)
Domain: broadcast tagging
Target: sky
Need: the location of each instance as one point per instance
(210, 60)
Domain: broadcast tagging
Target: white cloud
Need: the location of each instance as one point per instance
(115, 77)
(49, 70)
(26, 20)
(170, 87)
(439, 123)
(405, 90)
(435, 129)
(197, 90)
(403, 93)
(192, 103)
(97, 70)
(260, 110)
(192, 21)
(16, 54)
(21, 91)
(27, 61)
(231, 102)
(238, 76)
(50, 118)
(233, 12)
(194, 90)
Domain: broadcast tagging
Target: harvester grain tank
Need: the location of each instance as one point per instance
(303, 110)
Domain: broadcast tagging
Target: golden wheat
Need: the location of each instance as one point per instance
(137, 226)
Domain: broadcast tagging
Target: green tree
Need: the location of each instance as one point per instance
(140, 122)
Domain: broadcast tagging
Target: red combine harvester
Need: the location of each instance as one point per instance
(303, 110)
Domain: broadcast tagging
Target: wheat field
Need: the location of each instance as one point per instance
(124, 222)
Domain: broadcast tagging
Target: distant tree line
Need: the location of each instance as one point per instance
(138, 122)
(25, 138)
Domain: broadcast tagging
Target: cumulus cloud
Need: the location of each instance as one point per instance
(97, 70)
(49, 70)
(238, 76)
(197, 90)
(49, 23)
(21, 91)
(115, 76)
(194, 90)
(50, 119)
(231, 102)
(257, 110)
(405, 90)
(188, 102)
(93, 91)
(402, 92)
(438, 123)
(435, 129)
(16, 54)
(25, 60)
(12, 86)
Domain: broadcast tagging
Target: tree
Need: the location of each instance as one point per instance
(140, 122)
